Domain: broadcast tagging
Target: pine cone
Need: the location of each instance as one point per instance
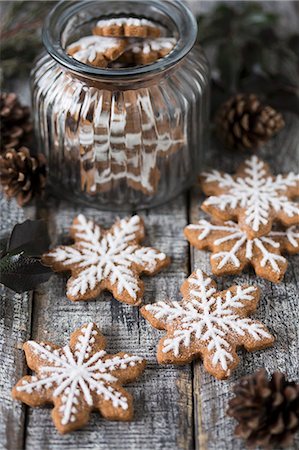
(15, 123)
(21, 175)
(243, 122)
(267, 410)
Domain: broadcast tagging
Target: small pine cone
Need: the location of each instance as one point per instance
(243, 122)
(267, 410)
(21, 175)
(15, 123)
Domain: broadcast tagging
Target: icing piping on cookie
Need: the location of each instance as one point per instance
(238, 239)
(112, 255)
(207, 321)
(90, 46)
(156, 45)
(256, 193)
(70, 374)
(130, 21)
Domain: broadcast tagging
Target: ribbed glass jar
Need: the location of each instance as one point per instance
(121, 139)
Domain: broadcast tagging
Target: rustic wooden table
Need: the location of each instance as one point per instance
(175, 407)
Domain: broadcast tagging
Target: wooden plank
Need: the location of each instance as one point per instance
(15, 320)
(278, 308)
(163, 396)
(160, 423)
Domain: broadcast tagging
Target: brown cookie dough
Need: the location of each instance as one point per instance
(106, 259)
(253, 197)
(232, 250)
(148, 51)
(79, 378)
(208, 323)
(127, 27)
(96, 50)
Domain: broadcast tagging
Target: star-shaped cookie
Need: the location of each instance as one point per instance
(232, 250)
(253, 197)
(209, 324)
(78, 378)
(97, 51)
(127, 27)
(106, 259)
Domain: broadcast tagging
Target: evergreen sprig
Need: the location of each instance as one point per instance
(21, 268)
(247, 54)
(20, 36)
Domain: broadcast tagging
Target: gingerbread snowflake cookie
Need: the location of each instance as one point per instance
(96, 50)
(209, 324)
(127, 27)
(253, 196)
(106, 259)
(148, 51)
(233, 250)
(78, 378)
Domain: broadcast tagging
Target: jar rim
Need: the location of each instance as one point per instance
(59, 16)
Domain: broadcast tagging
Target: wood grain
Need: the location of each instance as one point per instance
(175, 408)
(163, 396)
(278, 307)
(164, 406)
(168, 400)
(15, 319)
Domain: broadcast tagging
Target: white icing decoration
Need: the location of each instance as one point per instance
(257, 193)
(238, 239)
(130, 21)
(111, 255)
(71, 374)
(155, 45)
(208, 318)
(90, 46)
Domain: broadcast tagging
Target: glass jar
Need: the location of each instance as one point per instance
(121, 139)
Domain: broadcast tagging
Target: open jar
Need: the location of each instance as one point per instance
(121, 138)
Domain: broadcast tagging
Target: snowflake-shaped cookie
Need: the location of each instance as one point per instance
(110, 259)
(253, 196)
(79, 378)
(95, 50)
(209, 324)
(233, 250)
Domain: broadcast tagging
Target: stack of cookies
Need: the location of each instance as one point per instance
(121, 42)
(129, 134)
(130, 129)
(253, 220)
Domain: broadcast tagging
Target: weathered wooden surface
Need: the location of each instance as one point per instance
(175, 407)
(278, 308)
(15, 328)
(163, 396)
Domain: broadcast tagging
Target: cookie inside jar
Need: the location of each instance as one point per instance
(121, 101)
(121, 42)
